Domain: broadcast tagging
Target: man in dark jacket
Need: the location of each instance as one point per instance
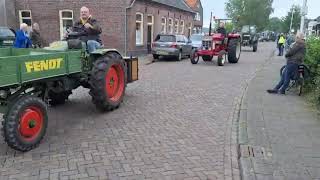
(222, 30)
(89, 29)
(295, 57)
(37, 41)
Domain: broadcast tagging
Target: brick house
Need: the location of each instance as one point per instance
(128, 25)
(196, 6)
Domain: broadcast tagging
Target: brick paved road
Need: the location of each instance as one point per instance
(175, 123)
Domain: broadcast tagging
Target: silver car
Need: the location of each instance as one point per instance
(167, 45)
(196, 41)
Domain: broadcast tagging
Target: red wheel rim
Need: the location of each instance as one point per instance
(115, 82)
(31, 123)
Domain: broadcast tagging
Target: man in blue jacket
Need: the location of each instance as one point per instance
(22, 37)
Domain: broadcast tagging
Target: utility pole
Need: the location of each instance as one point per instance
(291, 19)
(303, 15)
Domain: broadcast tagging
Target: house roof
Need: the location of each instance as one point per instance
(192, 3)
(179, 4)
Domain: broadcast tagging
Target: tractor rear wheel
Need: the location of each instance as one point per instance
(25, 123)
(58, 98)
(234, 50)
(207, 58)
(108, 82)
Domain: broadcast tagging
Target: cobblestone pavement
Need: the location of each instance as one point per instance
(279, 135)
(175, 123)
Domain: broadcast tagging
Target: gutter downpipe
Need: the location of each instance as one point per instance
(126, 28)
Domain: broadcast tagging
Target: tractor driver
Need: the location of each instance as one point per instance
(222, 30)
(89, 29)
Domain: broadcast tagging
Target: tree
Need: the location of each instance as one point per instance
(275, 24)
(252, 12)
(286, 21)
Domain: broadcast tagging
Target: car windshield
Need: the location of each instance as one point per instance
(196, 37)
(245, 29)
(5, 32)
(166, 38)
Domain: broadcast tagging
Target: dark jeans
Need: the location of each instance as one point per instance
(288, 74)
(280, 46)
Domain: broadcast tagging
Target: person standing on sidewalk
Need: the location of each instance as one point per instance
(281, 42)
(295, 57)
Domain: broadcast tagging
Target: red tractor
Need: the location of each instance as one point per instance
(218, 45)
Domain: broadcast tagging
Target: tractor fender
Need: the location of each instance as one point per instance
(102, 52)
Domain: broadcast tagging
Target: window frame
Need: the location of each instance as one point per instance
(164, 24)
(170, 25)
(182, 26)
(176, 26)
(61, 19)
(151, 24)
(141, 43)
(21, 18)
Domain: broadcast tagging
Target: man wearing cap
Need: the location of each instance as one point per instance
(295, 57)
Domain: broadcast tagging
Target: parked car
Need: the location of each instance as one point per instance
(196, 40)
(7, 37)
(169, 45)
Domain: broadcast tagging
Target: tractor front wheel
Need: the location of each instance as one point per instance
(25, 123)
(108, 82)
(255, 47)
(234, 50)
(194, 57)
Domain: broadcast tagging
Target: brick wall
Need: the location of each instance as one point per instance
(157, 11)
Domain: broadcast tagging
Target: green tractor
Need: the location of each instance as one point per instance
(31, 79)
(249, 37)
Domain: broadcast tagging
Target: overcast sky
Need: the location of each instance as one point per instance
(281, 7)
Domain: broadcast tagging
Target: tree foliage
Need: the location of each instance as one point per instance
(286, 21)
(275, 24)
(253, 12)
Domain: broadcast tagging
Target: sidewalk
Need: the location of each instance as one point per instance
(279, 136)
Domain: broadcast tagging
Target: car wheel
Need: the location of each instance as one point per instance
(179, 57)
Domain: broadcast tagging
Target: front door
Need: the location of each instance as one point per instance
(149, 38)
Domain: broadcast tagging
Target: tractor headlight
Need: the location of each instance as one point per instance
(3, 94)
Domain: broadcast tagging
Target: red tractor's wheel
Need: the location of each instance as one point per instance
(207, 58)
(25, 123)
(234, 50)
(108, 82)
(194, 58)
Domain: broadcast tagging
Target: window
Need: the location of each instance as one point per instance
(139, 29)
(176, 26)
(25, 17)
(66, 21)
(163, 25)
(197, 17)
(170, 26)
(182, 26)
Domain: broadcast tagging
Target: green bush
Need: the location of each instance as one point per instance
(313, 62)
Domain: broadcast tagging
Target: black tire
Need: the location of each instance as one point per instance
(11, 126)
(234, 51)
(179, 57)
(194, 58)
(58, 98)
(221, 61)
(98, 81)
(207, 58)
(255, 47)
(155, 56)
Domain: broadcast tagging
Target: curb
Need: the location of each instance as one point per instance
(245, 163)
